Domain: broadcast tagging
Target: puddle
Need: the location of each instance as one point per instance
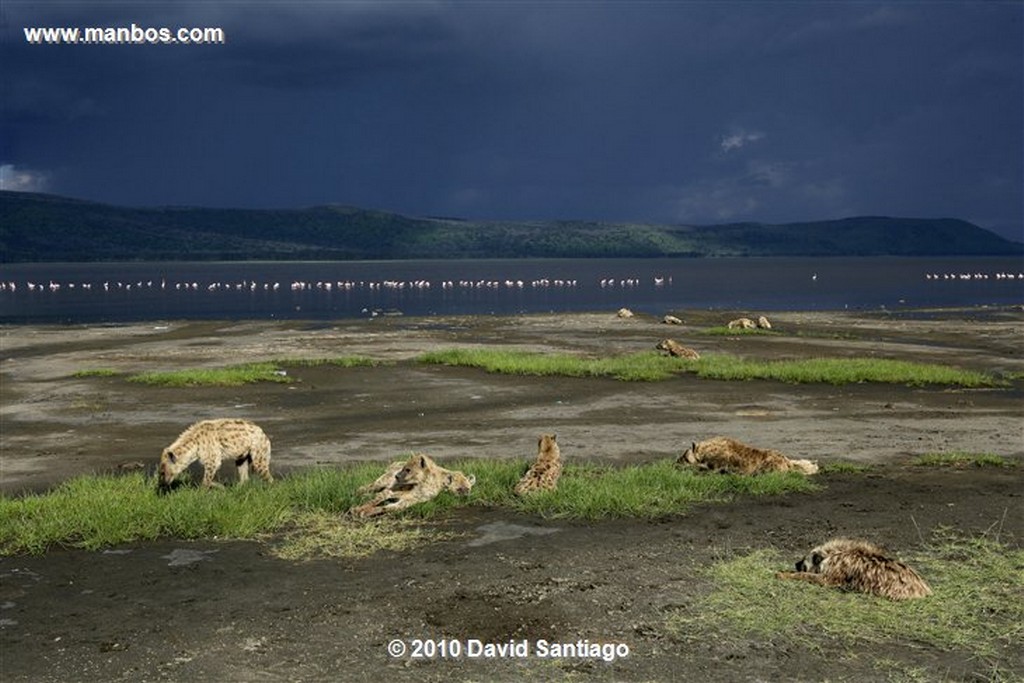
(504, 531)
(180, 557)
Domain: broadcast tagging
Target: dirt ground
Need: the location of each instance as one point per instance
(217, 610)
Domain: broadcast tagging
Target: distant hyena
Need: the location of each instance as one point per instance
(676, 349)
(406, 483)
(742, 324)
(210, 442)
(722, 454)
(854, 565)
(543, 475)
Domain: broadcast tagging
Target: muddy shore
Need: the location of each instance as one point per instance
(229, 611)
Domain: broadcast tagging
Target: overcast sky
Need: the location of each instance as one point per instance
(681, 112)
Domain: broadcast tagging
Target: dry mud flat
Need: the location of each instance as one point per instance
(230, 611)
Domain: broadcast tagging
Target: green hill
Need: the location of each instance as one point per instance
(39, 227)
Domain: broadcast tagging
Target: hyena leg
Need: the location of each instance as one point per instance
(261, 465)
(242, 464)
(210, 469)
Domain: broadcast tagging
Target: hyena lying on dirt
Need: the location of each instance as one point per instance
(729, 456)
(210, 442)
(415, 480)
(853, 565)
(543, 475)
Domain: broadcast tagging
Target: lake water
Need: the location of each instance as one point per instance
(125, 292)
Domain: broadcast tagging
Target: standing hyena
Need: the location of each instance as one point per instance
(855, 565)
(722, 454)
(210, 442)
(543, 475)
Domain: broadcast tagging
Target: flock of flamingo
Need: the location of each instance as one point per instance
(325, 285)
(973, 276)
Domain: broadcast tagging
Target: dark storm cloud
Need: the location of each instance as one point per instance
(689, 112)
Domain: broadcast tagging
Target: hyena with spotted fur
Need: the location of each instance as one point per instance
(211, 442)
(854, 565)
(406, 483)
(544, 473)
(729, 456)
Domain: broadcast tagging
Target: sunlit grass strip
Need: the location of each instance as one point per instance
(95, 511)
(235, 375)
(650, 366)
(961, 459)
(838, 371)
(976, 606)
(642, 366)
(723, 331)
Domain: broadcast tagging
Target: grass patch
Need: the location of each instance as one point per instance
(96, 372)
(234, 375)
(723, 331)
(976, 606)
(839, 371)
(98, 511)
(637, 367)
(845, 467)
(649, 366)
(320, 534)
(960, 459)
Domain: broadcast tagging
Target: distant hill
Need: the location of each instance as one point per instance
(40, 227)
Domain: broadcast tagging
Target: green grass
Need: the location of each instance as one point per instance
(96, 372)
(235, 375)
(642, 366)
(961, 459)
(247, 373)
(723, 331)
(976, 607)
(649, 366)
(98, 511)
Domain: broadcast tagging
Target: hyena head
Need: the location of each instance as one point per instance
(690, 455)
(811, 563)
(665, 345)
(172, 463)
(415, 470)
(458, 483)
(547, 442)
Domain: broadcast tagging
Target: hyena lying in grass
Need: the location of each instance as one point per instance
(544, 473)
(415, 480)
(210, 442)
(853, 565)
(729, 456)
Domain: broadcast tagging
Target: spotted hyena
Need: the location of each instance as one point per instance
(742, 324)
(543, 475)
(212, 441)
(722, 454)
(676, 349)
(854, 565)
(408, 482)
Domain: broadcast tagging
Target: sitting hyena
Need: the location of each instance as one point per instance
(859, 566)
(415, 480)
(676, 349)
(544, 472)
(210, 442)
(722, 454)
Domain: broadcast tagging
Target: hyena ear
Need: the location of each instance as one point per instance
(423, 461)
(170, 455)
(472, 479)
(816, 559)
